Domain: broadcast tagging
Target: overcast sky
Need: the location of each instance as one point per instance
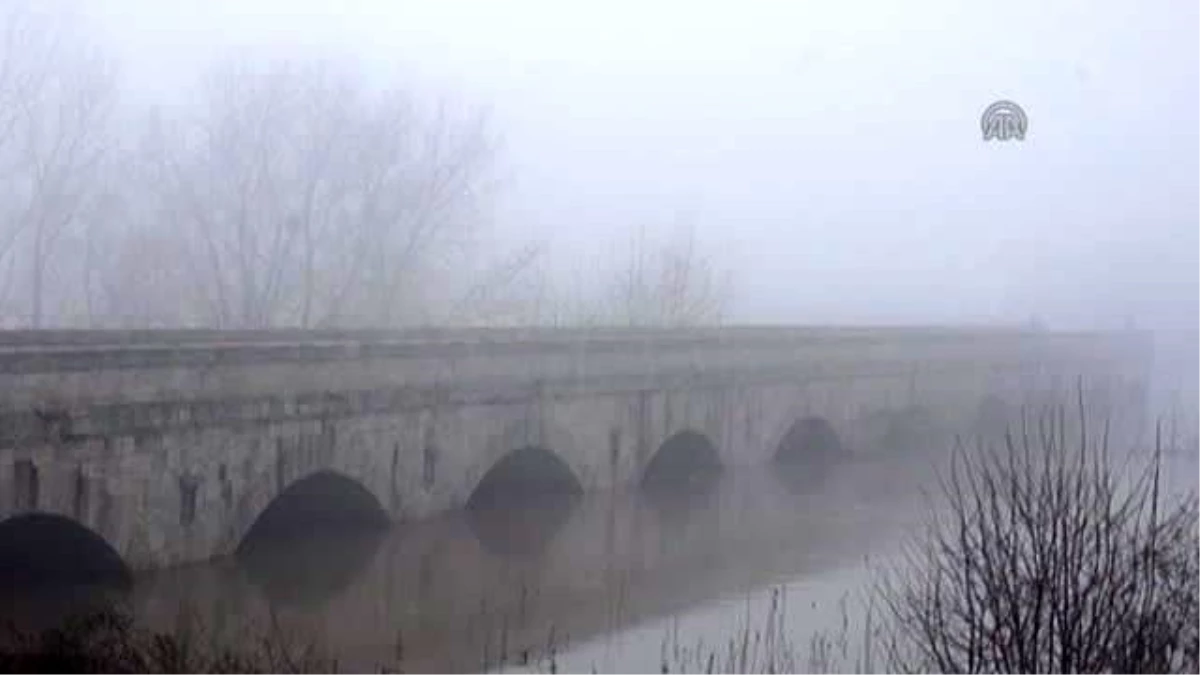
(829, 151)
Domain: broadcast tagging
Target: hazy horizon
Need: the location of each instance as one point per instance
(829, 154)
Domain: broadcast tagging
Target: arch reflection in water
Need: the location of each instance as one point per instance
(308, 573)
(523, 530)
(313, 540)
(679, 487)
(523, 502)
(680, 511)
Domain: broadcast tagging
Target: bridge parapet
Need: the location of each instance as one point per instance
(132, 366)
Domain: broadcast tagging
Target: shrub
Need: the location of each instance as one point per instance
(1045, 556)
(108, 641)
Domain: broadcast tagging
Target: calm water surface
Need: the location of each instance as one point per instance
(612, 581)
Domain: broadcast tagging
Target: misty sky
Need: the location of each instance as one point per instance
(830, 152)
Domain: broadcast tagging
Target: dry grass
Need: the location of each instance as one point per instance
(108, 641)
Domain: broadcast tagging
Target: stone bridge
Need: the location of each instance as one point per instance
(170, 445)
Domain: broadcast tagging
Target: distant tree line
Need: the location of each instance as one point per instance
(284, 192)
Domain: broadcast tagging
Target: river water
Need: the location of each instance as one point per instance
(609, 583)
(616, 581)
(570, 580)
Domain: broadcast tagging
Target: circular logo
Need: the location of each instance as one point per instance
(1004, 121)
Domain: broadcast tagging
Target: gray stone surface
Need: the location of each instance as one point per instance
(169, 444)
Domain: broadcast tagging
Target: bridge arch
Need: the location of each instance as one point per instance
(525, 433)
(321, 499)
(806, 453)
(810, 440)
(523, 475)
(523, 501)
(683, 458)
(889, 431)
(39, 548)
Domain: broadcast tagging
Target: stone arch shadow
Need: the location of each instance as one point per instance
(306, 489)
(527, 474)
(679, 485)
(686, 457)
(278, 552)
(524, 496)
(320, 500)
(806, 451)
(523, 435)
(40, 549)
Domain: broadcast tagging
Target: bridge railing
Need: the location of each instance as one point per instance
(17, 337)
(75, 365)
(18, 341)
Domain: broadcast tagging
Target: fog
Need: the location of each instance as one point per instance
(832, 156)
(830, 152)
(255, 164)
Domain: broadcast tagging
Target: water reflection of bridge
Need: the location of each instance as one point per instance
(447, 596)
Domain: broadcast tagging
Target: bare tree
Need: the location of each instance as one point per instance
(56, 98)
(306, 198)
(669, 283)
(507, 292)
(674, 284)
(1046, 558)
